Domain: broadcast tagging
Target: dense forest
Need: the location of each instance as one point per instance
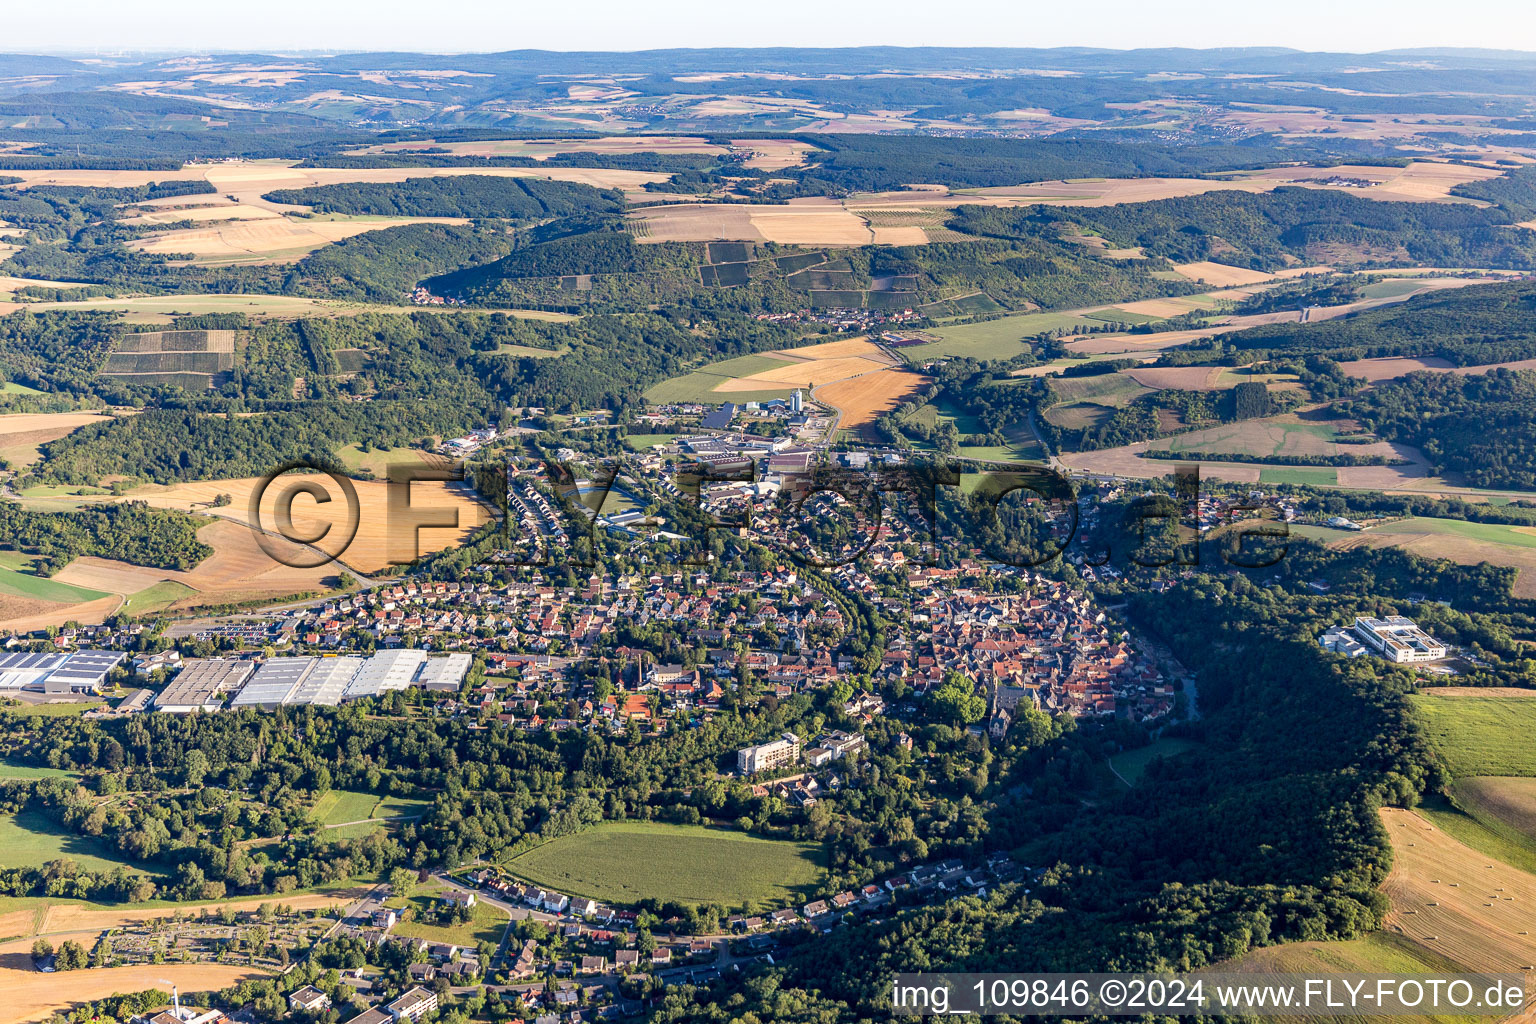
(468, 195)
(1482, 426)
(1269, 231)
(1470, 326)
(128, 532)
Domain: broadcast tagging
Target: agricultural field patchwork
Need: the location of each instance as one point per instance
(173, 357)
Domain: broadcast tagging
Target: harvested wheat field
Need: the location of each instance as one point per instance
(1416, 183)
(1462, 543)
(247, 181)
(694, 222)
(32, 996)
(543, 149)
(1164, 307)
(1125, 461)
(1221, 275)
(808, 373)
(377, 543)
(74, 917)
(863, 399)
(23, 615)
(10, 284)
(1462, 904)
(1184, 378)
(21, 433)
(812, 366)
(1391, 367)
(1112, 191)
(860, 347)
(272, 239)
(110, 576)
(239, 570)
(816, 222)
(201, 214)
(1388, 368)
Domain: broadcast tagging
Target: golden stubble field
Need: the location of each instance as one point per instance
(246, 182)
(799, 222)
(864, 399)
(1455, 901)
(236, 224)
(30, 995)
(21, 433)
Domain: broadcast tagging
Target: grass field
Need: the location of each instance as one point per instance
(337, 806)
(1130, 764)
(1461, 542)
(993, 339)
(622, 862)
(340, 806)
(20, 584)
(1308, 476)
(1273, 436)
(1482, 730)
(60, 709)
(1480, 815)
(699, 386)
(156, 598)
(1108, 389)
(10, 770)
(486, 923)
(29, 839)
(641, 442)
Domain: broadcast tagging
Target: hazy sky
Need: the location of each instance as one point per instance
(482, 25)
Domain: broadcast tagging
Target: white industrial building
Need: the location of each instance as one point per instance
(445, 673)
(57, 672)
(273, 683)
(385, 671)
(26, 671)
(1398, 638)
(327, 681)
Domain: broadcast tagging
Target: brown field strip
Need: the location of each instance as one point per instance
(1221, 275)
(798, 222)
(1184, 378)
(74, 917)
(32, 996)
(833, 350)
(248, 181)
(29, 428)
(278, 237)
(1391, 367)
(810, 373)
